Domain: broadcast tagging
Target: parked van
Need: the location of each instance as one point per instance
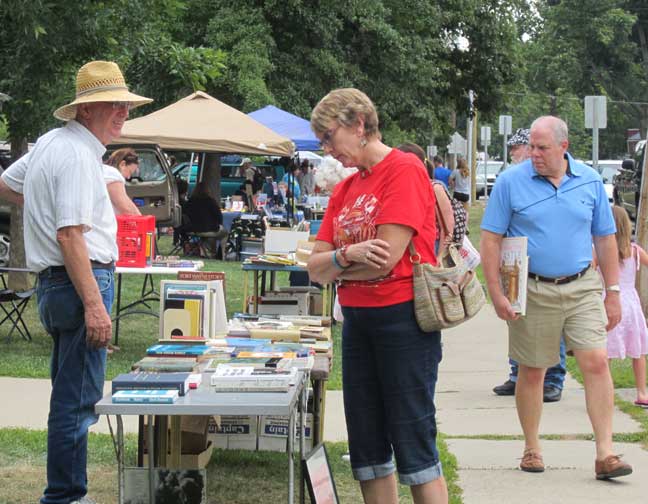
(153, 189)
(627, 182)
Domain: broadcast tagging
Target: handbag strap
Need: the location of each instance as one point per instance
(439, 213)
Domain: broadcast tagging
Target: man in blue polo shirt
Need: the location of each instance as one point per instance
(560, 205)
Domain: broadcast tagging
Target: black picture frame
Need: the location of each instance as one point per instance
(319, 478)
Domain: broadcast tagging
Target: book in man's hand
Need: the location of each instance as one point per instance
(145, 396)
(152, 381)
(514, 271)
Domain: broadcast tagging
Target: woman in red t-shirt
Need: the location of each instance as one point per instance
(389, 365)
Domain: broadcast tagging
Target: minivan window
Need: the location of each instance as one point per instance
(149, 167)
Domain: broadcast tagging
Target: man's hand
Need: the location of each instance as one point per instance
(504, 309)
(612, 309)
(98, 326)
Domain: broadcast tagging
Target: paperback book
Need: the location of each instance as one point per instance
(166, 364)
(514, 271)
(145, 396)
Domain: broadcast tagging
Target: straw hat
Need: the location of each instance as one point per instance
(99, 81)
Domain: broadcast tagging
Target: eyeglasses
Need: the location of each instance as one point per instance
(328, 135)
(120, 105)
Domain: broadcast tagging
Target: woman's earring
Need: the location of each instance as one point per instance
(363, 142)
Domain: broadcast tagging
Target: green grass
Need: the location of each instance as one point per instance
(235, 477)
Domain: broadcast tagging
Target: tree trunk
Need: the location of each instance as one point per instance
(212, 174)
(18, 281)
(642, 234)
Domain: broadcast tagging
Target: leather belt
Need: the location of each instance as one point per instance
(560, 280)
(93, 265)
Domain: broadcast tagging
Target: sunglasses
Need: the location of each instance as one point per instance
(328, 135)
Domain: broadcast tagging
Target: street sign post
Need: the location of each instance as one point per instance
(595, 118)
(485, 138)
(505, 128)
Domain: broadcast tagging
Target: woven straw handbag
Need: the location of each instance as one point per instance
(444, 295)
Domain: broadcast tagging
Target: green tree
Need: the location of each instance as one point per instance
(404, 54)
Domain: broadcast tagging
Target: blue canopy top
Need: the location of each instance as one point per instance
(288, 125)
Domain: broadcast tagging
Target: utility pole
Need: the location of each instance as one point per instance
(641, 229)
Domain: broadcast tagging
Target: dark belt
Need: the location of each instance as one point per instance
(93, 265)
(560, 280)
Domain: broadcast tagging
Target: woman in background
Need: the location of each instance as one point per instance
(460, 184)
(121, 166)
(444, 215)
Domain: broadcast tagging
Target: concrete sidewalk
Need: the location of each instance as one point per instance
(474, 362)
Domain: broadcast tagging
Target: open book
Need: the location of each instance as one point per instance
(514, 271)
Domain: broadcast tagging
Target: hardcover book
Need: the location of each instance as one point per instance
(146, 380)
(514, 271)
(165, 364)
(145, 396)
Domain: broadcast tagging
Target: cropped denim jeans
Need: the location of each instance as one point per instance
(389, 373)
(77, 374)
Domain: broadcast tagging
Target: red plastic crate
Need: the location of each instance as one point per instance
(135, 224)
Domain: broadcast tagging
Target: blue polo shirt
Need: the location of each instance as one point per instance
(558, 222)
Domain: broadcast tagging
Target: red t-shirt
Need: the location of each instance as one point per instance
(397, 191)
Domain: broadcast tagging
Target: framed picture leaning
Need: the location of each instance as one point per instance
(318, 476)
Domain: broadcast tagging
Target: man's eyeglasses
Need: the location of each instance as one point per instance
(328, 135)
(120, 105)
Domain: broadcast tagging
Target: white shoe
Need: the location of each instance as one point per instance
(346, 457)
(84, 500)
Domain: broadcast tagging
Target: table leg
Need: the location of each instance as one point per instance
(120, 459)
(151, 460)
(302, 437)
(176, 442)
(245, 292)
(256, 291)
(319, 391)
(119, 280)
(291, 457)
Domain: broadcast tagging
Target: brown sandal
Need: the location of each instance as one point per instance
(532, 461)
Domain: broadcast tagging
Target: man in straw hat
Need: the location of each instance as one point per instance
(70, 231)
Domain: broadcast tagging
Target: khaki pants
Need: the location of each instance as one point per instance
(574, 309)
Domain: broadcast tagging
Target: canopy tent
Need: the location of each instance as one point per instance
(288, 125)
(201, 123)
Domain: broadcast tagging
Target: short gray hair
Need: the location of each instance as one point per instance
(556, 124)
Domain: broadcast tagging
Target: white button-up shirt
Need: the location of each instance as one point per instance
(64, 186)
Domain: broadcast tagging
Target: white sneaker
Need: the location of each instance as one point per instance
(84, 500)
(346, 457)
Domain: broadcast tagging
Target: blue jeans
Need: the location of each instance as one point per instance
(390, 370)
(77, 373)
(554, 377)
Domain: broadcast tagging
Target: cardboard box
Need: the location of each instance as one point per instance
(197, 460)
(273, 433)
(194, 433)
(282, 240)
(236, 432)
(316, 304)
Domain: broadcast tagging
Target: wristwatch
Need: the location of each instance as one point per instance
(613, 288)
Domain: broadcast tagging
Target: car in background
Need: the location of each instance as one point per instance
(627, 182)
(493, 169)
(231, 179)
(608, 169)
(153, 189)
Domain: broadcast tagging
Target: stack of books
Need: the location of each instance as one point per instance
(192, 310)
(151, 387)
(228, 378)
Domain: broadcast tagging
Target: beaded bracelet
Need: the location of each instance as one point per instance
(337, 263)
